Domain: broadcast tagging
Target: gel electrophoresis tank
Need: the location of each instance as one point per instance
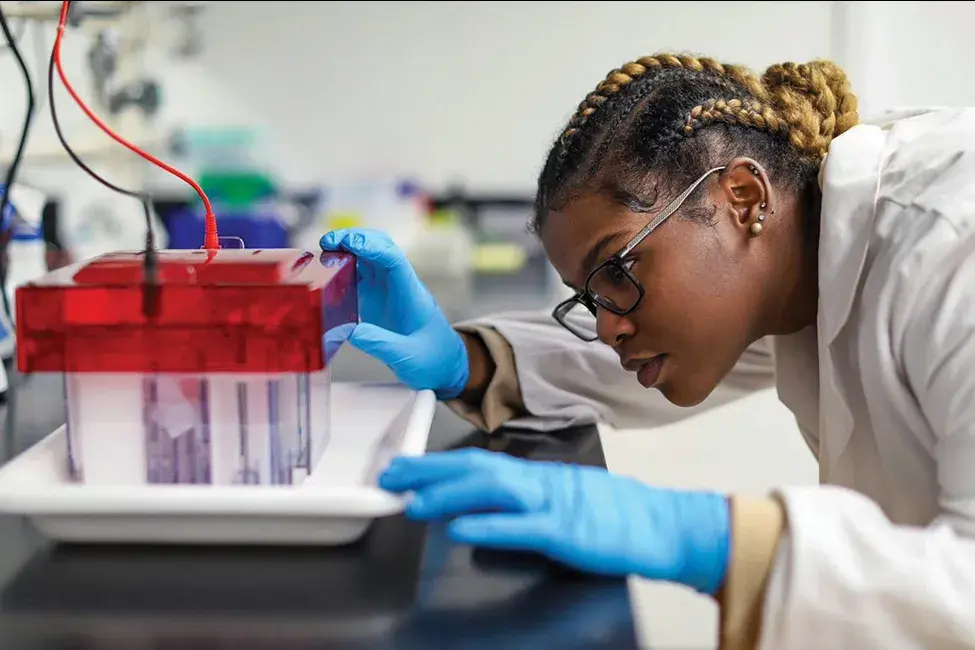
(207, 379)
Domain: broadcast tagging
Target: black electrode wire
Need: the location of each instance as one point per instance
(143, 197)
(22, 24)
(15, 163)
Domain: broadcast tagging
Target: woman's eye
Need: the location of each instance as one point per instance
(616, 275)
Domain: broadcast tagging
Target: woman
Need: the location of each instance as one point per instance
(700, 213)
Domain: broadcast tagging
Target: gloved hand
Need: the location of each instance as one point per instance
(401, 323)
(582, 516)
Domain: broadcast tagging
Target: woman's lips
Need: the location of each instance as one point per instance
(649, 372)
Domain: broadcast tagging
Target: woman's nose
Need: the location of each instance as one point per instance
(611, 328)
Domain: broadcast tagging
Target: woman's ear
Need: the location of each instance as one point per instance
(747, 190)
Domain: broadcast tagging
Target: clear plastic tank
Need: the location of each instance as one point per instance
(213, 386)
(220, 429)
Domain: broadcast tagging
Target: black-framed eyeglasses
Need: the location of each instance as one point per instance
(612, 285)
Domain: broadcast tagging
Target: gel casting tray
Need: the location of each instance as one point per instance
(335, 505)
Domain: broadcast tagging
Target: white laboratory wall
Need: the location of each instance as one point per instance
(468, 91)
(906, 53)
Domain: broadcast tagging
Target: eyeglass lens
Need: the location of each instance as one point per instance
(578, 319)
(613, 288)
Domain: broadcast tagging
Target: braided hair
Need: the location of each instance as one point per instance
(661, 121)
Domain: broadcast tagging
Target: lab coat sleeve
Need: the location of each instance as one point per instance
(845, 576)
(546, 378)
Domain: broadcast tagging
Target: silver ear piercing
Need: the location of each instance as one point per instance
(757, 227)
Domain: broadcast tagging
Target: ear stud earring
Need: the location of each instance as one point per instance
(753, 170)
(762, 206)
(756, 228)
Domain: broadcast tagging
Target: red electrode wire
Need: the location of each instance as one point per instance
(211, 241)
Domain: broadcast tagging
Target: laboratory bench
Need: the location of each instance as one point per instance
(403, 585)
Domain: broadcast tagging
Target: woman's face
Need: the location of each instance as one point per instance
(701, 291)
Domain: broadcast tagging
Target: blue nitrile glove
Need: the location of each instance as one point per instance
(582, 516)
(402, 325)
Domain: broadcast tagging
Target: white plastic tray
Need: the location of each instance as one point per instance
(370, 424)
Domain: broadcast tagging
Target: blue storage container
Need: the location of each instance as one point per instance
(257, 229)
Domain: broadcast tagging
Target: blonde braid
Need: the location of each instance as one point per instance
(746, 112)
(811, 102)
(816, 100)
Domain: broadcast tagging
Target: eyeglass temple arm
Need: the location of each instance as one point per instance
(671, 208)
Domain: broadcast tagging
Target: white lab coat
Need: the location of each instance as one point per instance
(883, 389)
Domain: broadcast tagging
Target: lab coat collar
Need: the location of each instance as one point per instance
(849, 179)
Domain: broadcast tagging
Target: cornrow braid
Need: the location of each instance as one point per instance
(811, 102)
(621, 77)
(746, 112)
(666, 118)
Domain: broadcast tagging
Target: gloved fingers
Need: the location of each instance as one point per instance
(388, 347)
(532, 532)
(502, 531)
(384, 271)
(413, 472)
(371, 245)
(478, 492)
(406, 473)
(400, 478)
